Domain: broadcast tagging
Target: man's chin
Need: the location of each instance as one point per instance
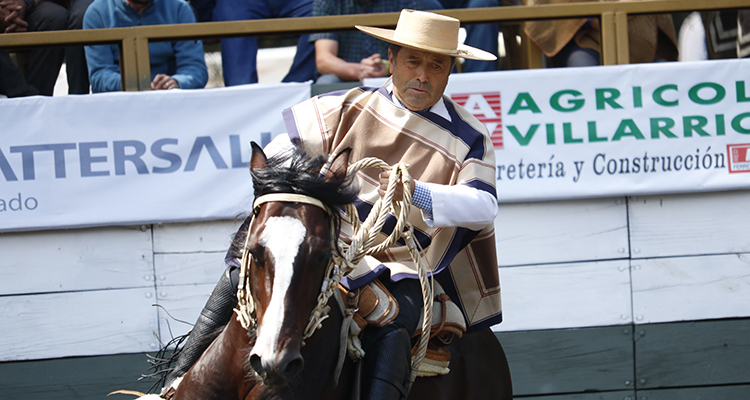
(419, 102)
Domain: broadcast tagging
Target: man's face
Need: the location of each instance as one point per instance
(419, 77)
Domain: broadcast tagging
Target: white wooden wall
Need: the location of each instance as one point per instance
(585, 263)
(568, 264)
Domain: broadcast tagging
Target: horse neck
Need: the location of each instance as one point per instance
(322, 351)
(221, 373)
(229, 360)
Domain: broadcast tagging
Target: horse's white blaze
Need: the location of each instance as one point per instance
(282, 237)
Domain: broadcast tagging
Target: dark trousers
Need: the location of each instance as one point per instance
(44, 63)
(408, 293)
(75, 57)
(239, 55)
(12, 81)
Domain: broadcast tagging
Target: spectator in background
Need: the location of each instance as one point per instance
(239, 55)
(173, 64)
(576, 42)
(353, 56)
(691, 39)
(44, 64)
(727, 33)
(481, 36)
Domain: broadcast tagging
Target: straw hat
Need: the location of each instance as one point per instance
(430, 32)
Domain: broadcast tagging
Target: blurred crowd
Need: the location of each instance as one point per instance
(329, 57)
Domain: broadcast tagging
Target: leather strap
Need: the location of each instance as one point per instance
(289, 198)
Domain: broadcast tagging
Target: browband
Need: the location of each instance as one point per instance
(289, 198)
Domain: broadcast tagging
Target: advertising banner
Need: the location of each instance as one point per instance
(139, 157)
(613, 131)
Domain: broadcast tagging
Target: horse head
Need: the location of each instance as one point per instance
(290, 244)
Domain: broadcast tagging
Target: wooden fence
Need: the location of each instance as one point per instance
(133, 41)
(622, 298)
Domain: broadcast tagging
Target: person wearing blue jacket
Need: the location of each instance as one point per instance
(173, 64)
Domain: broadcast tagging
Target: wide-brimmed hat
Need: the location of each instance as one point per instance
(430, 32)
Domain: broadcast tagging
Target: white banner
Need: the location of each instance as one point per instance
(131, 158)
(614, 131)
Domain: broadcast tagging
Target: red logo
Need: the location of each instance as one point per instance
(486, 107)
(739, 157)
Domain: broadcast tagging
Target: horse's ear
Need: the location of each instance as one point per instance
(258, 159)
(339, 165)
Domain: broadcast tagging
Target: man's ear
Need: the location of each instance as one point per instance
(339, 165)
(258, 159)
(391, 60)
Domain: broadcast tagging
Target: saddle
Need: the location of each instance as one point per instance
(376, 306)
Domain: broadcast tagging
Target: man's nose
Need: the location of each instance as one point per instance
(421, 74)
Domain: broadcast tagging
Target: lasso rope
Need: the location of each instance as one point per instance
(362, 244)
(344, 261)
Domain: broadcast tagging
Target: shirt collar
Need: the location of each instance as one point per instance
(438, 108)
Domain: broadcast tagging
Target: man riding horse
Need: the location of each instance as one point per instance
(452, 161)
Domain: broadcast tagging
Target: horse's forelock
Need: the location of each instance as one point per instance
(295, 171)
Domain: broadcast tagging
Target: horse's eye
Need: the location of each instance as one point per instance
(254, 258)
(323, 256)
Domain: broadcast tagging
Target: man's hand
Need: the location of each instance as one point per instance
(398, 194)
(12, 14)
(162, 81)
(371, 67)
(328, 62)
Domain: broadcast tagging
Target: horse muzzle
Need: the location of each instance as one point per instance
(277, 369)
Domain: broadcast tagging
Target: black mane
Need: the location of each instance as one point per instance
(296, 172)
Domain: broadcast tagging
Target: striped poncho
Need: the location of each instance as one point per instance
(456, 152)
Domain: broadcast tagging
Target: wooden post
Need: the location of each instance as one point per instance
(143, 63)
(129, 65)
(532, 56)
(623, 47)
(609, 39)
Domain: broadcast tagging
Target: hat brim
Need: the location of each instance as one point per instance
(463, 51)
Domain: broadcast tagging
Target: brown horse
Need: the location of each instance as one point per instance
(289, 242)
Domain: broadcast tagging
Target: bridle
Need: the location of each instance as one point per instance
(245, 304)
(345, 257)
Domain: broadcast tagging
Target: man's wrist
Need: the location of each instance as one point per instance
(422, 196)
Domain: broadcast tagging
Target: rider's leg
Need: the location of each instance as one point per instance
(386, 371)
(216, 313)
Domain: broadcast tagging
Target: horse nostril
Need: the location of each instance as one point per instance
(256, 363)
(294, 367)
